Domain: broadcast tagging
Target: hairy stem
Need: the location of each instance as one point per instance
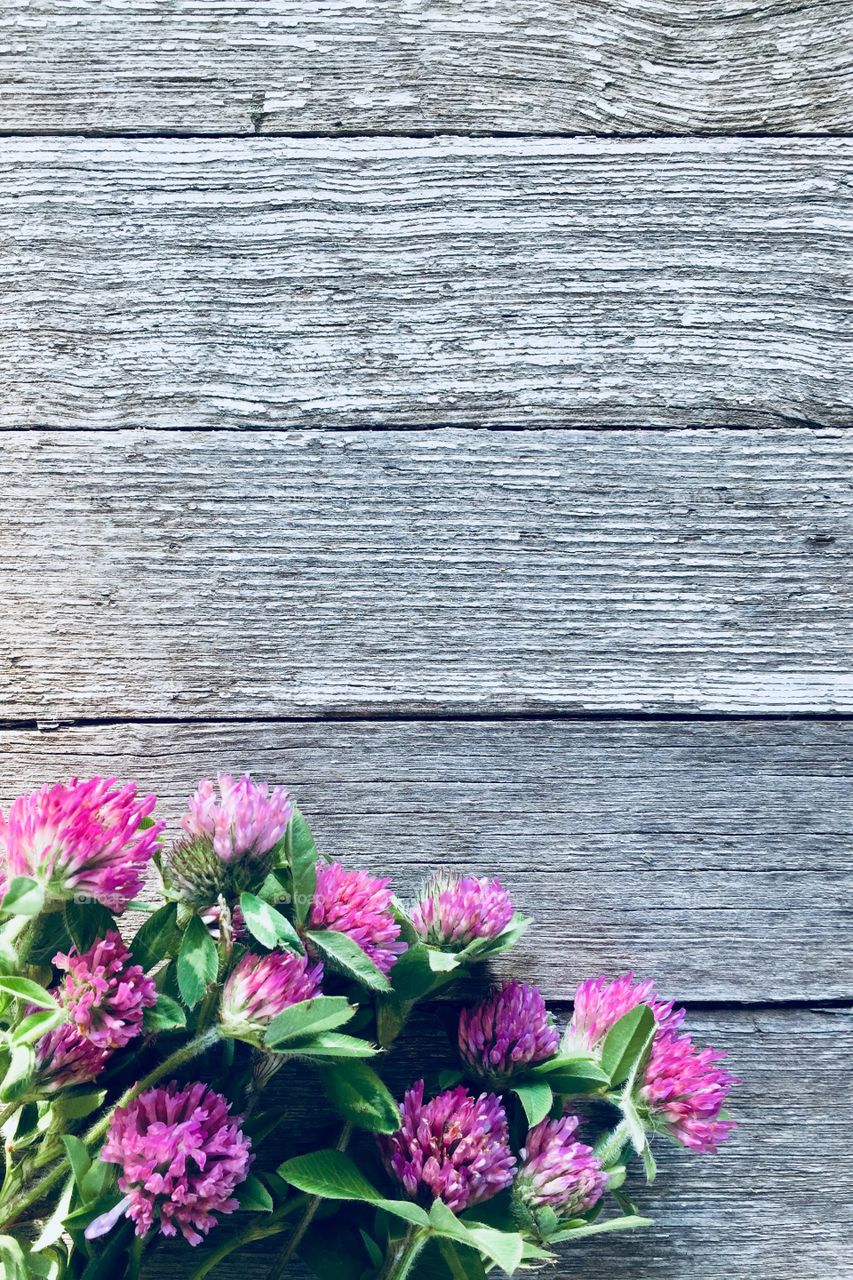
(11, 1110)
(609, 1145)
(401, 1254)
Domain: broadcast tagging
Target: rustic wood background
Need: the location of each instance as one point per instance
(447, 408)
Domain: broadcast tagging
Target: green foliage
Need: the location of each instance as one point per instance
(270, 927)
(582, 1230)
(158, 937)
(24, 897)
(346, 957)
(361, 1097)
(332, 1175)
(504, 1248)
(306, 1019)
(482, 949)
(20, 1074)
(86, 922)
(253, 1196)
(36, 1025)
(626, 1043)
(536, 1097)
(78, 1158)
(13, 1263)
(28, 991)
(571, 1075)
(301, 859)
(198, 962)
(331, 1044)
(165, 1015)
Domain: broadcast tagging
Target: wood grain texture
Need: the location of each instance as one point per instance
(772, 1205)
(278, 66)
(403, 282)
(315, 573)
(714, 856)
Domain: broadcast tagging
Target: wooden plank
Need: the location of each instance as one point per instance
(773, 1204)
(484, 281)
(713, 856)
(316, 573)
(199, 66)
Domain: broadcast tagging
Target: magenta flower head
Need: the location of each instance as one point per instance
(181, 1156)
(104, 993)
(558, 1171)
(359, 905)
(64, 1057)
(244, 821)
(261, 987)
(454, 1148)
(231, 830)
(506, 1032)
(601, 1002)
(454, 911)
(685, 1089)
(81, 838)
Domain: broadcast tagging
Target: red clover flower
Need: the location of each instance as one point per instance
(104, 993)
(558, 1171)
(454, 911)
(454, 1148)
(181, 1156)
(359, 905)
(81, 839)
(509, 1030)
(261, 987)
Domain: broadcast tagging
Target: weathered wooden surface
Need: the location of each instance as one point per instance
(774, 1204)
(629, 66)
(310, 573)
(715, 857)
(158, 583)
(398, 281)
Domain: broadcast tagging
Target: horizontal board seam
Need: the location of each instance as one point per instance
(831, 1007)
(496, 717)
(422, 134)
(379, 428)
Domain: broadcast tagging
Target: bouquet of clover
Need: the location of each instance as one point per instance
(133, 1068)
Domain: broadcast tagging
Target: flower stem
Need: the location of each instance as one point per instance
(11, 1110)
(39, 1189)
(270, 1226)
(134, 1257)
(279, 1267)
(609, 1145)
(401, 1254)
